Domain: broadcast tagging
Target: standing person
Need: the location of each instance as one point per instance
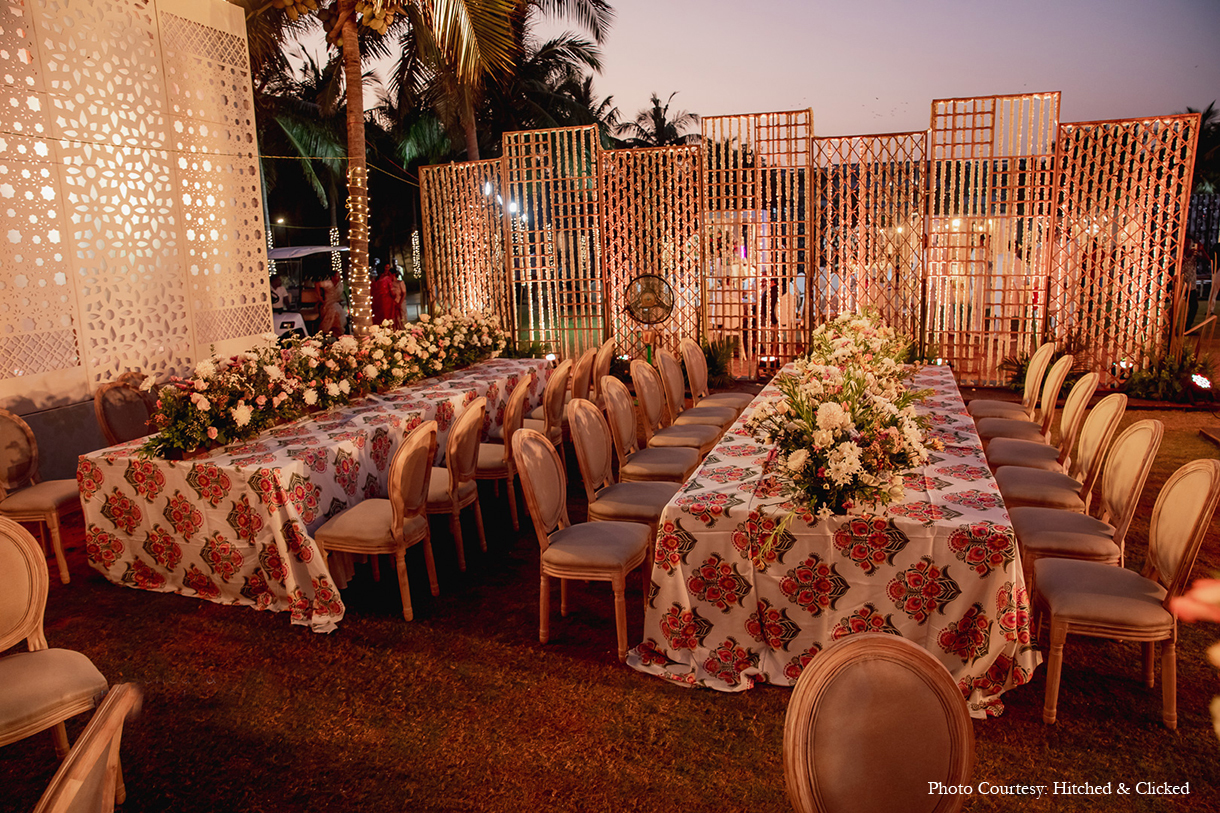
(334, 315)
(399, 316)
(383, 297)
(1190, 277)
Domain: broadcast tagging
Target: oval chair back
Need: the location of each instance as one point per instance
(671, 379)
(1180, 519)
(24, 583)
(1051, 389)
(514, 414)
(1126, 470)
(462, 445)
(696, 368)
(594, 448)
(652, 399)
(553, 394)
(410, 475)
(582, 373)
(1074, 409)
(18, 454)
(865, 694)
(601, 368)
(121, 411)
(1095, 437)
(620, 408)
(1035, 370)
(543, 481)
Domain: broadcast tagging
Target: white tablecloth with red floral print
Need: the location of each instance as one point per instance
(941, 569)
(234, 526)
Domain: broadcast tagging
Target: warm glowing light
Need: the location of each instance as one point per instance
(487, 189)
(279, 220)
(1201, 382)
(957, 222)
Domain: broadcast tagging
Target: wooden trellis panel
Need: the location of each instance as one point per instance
(552, 203)
(464, 238)
(990, 181)
(757, 232)
(650, 225)
(868, 234)
(1124, 190)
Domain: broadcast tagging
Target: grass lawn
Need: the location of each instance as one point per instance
(463, 709)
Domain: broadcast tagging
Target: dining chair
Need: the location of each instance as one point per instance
(553, 395)
(657, 432)
(376, 526)
(601, 369)
(136, 379)
(495, 461)
(1072, 491)
(696, 374)
(675, 397)
(24, 495)
(1043, 532)
(673, 464)
(1036, 454)
(42, 687)
(1035, 370)
(582, 374)
(589, 551)
(90, 779)
(632, 501)
(452, 486)
(122, 413)
(1102, 601)
(887, 697)
(1022, 429)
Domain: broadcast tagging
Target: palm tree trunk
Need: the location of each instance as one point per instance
(357, 176)
(466, 112)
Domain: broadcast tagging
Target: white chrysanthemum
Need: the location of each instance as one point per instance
(378, 354)
(798, 459)
(345, 386)
(205, 368)
(273, 372)
(241, 414)
(311, 396)
(832, 416)
(371, 371)
(332, 389)
(348, 344)
(148, 383)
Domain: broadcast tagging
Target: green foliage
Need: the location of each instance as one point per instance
(1015, 367)
(719, 355)
(1168, 380)
(525, 350)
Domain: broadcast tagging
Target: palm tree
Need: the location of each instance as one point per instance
(1207, 153)
(655, 128)
(539, 94)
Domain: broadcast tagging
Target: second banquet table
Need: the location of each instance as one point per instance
(235, 526)
(940, 568)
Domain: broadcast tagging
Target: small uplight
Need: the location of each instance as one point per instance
(279, 220)
(624, 357)
(898, 230)
(957, 222)
(550, 357)
(512, 206)
(939, 362)
(487, 189)
(1201, 382)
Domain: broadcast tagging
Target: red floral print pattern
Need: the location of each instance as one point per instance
(347, 471)
(257, 590)
(315, 459)
(372, 487)
(273, 564)
(708, 508)
(673, 543)
(163, 548)
(326, 599)
(794, 667)
(729, 660)
(89, 478)
(761, 540)
(870, 542)
(182, 515)
(209, 482)
(771, 625)
(651, 654)
(866, 619)
(305, 497)
(923, 511)
(198, 581)
(122, 511)
(968, 638)
(1012, 613)
(139, 574)
(382, 445)
(299, 544)
(965, 472)
(765, 487)
(814, 585)
(984, 546)
(718, 582)
(102, 548)
(444, 415)
(244, 520)
(724, 474)
(978, 500)
(222, 556)
(923, 589)
(266, 484)
(684, 628)
(144, 476)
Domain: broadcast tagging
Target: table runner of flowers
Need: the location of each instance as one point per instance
(749, 584)
(234, 526)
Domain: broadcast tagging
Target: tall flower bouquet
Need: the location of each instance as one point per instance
(233, 398)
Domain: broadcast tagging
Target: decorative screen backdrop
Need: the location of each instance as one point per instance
(131, 193)
(992, 231)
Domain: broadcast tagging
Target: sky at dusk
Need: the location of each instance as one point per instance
(873, 66)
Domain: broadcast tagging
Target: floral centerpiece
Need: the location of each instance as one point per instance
(845, 428)
(235, 398)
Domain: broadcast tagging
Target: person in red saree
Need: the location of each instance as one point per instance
(383, 296)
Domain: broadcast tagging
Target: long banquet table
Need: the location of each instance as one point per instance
(235, 526)
(941, 568)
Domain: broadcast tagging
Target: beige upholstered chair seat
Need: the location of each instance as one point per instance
(707, 415)
(673, 464)
(369, 524)
(538, 413)
(492, 460)
(990, 429)
(597, 546)
(988, 408)
(733, 400)
(555, 435)
(1100, 595)
(49, 495)
(691, 435)
(632, 502)
(1048, 489)
(43, 687)
(1054, 532)
(438, 490)
(1029, 454)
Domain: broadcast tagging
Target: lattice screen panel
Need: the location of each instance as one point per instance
(988, 179)
(757, 232)
(552, 241)
(1123, 196)
(651, 225)
(868, 236)
(463, 208)
(110, 199)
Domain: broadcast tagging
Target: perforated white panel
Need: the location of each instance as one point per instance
(132, 232)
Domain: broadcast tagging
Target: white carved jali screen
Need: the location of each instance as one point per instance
(133, 232)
